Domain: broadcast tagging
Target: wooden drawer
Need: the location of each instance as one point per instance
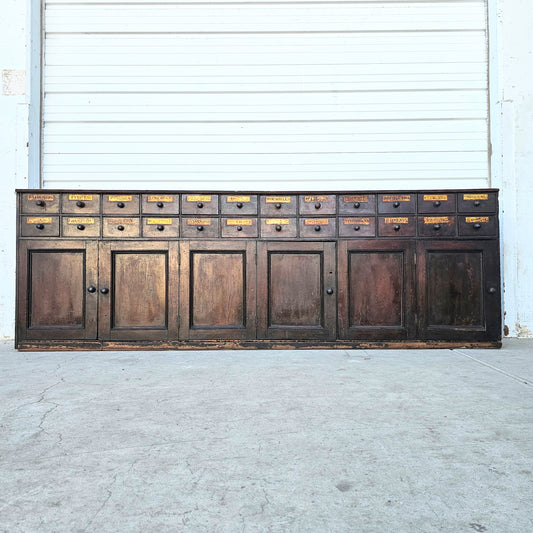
(199, 204)
(238, 204)
(278, 227)
(80, 203)
(476, 202)
(436, 203)
(396, 203)
(80, 227)
(357, 204)
(317, 228)
(318, 204)
(120, 204)
(357, 227)
(162, 228)
(478, 226)
(40, 203)
(121, 227)
(396, 226)
(239, 227)
(198, 228)
(160, 204)
(443, 226)
(38, 226)
(277, 206)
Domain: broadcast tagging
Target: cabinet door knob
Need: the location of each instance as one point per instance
(160, 228)
(491, 290)
(436, 227)
(329, 290)
(104, 290)
(239, 205)
(199, 205)
(278, 228)
(91, 289)
(477, 226)
(160, 204)
(357, 205)
(40, 203)
(278, 206)
(120, 228)
(121, 204)
(436, 203)
(80, 204)
(40, 226)
(396, 227)
(200, 228)
(81, 227)
(396, 204)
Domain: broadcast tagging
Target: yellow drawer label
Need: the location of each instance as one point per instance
(80, 220)
(396, 220)
(435, 197)
(437, 220)
(198, 222)
(38, 220)
(198, 198)
(309, 199)
(87, 197)
(160, 198)
(278, 199)
(358, 221)
(159, 221)
(475, 196)
(277, 221)
(356, 198)
(44, 197)
(122, 221)
(482, 220)
(239, 222)
(233, 199)
(316, 221)
(120, 197)
(396, 198)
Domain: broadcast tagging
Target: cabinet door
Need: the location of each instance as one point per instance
(376, 290)
(57, 297)
(459, 290)
(217, 291)
(138, 291)
(296, 285)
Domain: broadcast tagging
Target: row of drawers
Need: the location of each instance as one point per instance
(250, 227)
(266, 205)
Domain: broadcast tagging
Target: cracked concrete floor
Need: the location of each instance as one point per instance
(259, 441)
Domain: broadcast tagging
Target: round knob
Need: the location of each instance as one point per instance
(91, 289)
(105, 290)
(436, 203)
(436, 227)
(477, 226)
(278, 206)
(121, 204)
(357, 205)
(160, 228)
(278, 228)
(199, 205)
(200, 228)
(160, 204)
(239, 228)
(491, 290)
(318, 205)
(81, 227)
(396, 204)
(39, 203)
(396, 228)
(40, 226)
(356, 228)
(80, 204)
(317, 228)
(329, 291)
(239, 205)
(477, 203)
(120, 228)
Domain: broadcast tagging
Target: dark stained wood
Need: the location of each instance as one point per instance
(199, 227)
(356, 227)
(436, 226)
(357, 204)
(199, 204)
(436, 203)
(478, 226)
(160, 204)
(80, 227)
(396, 203)
(39, 226)
(397, 226)
(161, 227)
(130, 227)
(239, 228)
(278, 205)
(238, 205)
(40, 202)
(318, 228)
(80, 204)
(278, 228)
(120, 204)
(317, 204)
(477, 202)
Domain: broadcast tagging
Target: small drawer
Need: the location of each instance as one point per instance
(199, 204)
(80, 227)
(40, 203)
(474, 226)
(357, 204)
(120, 204)
(278, 227)
(318, 204)
(436, 203)
(160, 204)
(396, 226)
(39, 226)
(437, 226)
(80, 203)
(238, 205)
(317, 228)
(476, 202)
(121, 227)
(163, 228)
(239, 227)
(396, 203)
(357, 227)
(279, 206)
(199, 227)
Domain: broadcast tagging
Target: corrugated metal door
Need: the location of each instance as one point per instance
(265, 95)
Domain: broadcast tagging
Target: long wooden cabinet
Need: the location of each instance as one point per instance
(171, 270)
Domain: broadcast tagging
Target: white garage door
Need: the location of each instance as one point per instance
(265, 95)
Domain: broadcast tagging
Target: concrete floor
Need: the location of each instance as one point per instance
(258, 441)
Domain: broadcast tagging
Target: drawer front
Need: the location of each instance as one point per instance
(277, 206)
(198, 228)
(436, 203)
(318, 204)
(239, 227)
(433, 226)
(80, 227)
(238, 205)
(160, 227)
(80, 203)
(40, 203)
(120, 204)
(357, 204)
(121, 227)
(357, 227)
(199, 204)
(160, 204)
(38, 226)
(478, 226)
(396, 203)
(279, 228)
(396, 226)
(477, 202)
(317, 228)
